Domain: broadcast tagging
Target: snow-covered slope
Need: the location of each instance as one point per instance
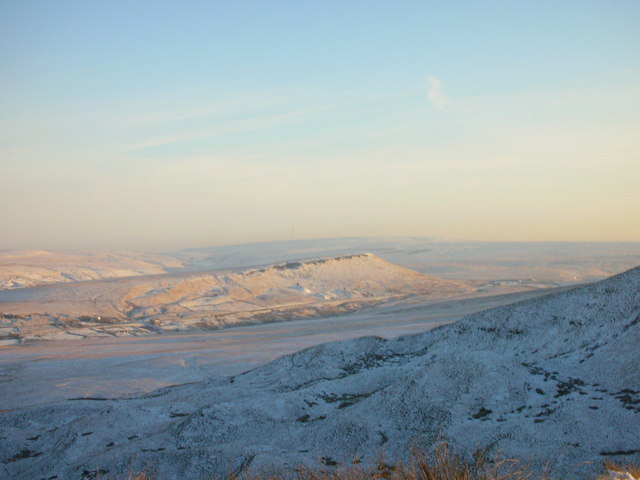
(28, 268)
(139, 305)
(553, 379)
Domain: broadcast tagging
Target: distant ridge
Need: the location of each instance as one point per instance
(29, 268)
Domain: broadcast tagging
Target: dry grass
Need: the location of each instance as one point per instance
(443, 464)
(633, 470)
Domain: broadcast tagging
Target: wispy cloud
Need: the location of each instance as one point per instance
(219, 127)
(435, 95)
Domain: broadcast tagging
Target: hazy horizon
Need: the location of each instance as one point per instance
(158, 127)
(312, 247)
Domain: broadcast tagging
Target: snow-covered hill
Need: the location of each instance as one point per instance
(144, 304)
(28, 268)
(536, 264)
(553, 379)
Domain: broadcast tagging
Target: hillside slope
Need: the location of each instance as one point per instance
(159, 303)
(29, 268)
(550, 379)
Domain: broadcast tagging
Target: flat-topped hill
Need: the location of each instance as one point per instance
(204, 300)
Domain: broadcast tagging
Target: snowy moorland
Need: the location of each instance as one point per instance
(47, 295)
(28, 268)
(531, 263)
(211, 300)
(535, 263)
(553, 378)
(37, 373)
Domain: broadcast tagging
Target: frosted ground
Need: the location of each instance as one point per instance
(446, 281)
(551, 378)
(66, 295)
(41, 372)
(172, 302)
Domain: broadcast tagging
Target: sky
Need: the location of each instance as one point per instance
(153, 126)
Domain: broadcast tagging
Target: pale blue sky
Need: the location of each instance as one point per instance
(160, 125)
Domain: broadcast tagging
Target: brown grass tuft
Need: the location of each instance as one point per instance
(634, 470)
(443, 464)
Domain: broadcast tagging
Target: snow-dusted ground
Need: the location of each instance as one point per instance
(42, 372)
(187, 301)
(554, 378)
(28, 268)
(69, 295)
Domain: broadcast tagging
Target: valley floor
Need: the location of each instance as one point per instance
(40, 373)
